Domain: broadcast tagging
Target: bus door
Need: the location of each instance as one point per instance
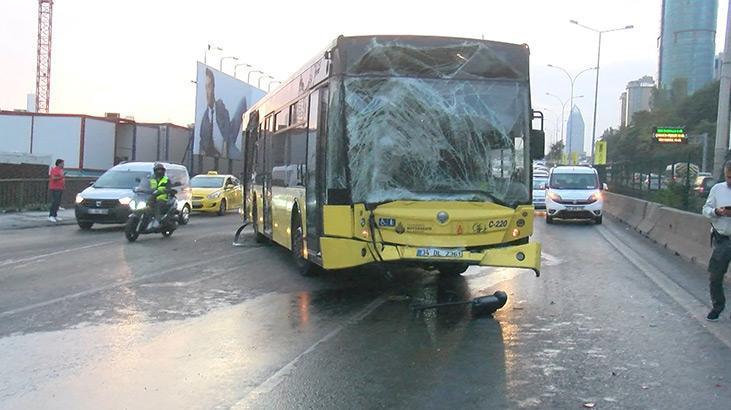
(315, 181)
(267, 183)
(250, 137)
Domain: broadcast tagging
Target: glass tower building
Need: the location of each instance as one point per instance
(687, 44)
(576, 130)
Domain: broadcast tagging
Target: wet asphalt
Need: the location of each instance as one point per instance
(88, 320)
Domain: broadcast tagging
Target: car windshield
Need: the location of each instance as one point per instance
(574, 181)
(539, 183)
(120, 179)
(206, 182)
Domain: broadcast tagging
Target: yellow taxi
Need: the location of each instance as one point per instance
(214, 192)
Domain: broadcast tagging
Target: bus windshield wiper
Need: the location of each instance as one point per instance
(488, 194)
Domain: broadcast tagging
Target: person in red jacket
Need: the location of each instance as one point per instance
(55, 186)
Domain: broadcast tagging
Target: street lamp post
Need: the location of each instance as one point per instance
(269, 88)
(248, 77)
(572, 80)
(258, 83)
(598, 59)
(209, 48)
(236, 67)
(220, 62)
(563, 109)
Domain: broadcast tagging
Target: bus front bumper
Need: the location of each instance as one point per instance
(339, 253)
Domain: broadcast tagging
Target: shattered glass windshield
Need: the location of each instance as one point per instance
(436, 139)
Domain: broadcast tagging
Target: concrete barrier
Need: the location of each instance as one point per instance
(627, 209)
(686, 234)
(651, 218)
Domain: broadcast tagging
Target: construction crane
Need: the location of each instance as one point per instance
(43, 67)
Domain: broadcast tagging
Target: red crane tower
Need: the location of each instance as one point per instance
(43, 67)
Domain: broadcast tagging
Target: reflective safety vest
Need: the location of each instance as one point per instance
(158, 188)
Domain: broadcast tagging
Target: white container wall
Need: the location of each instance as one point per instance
(125, 143)
(98, 144)
(146, 143)
(59, 137)
(178, 139)
(15, 133)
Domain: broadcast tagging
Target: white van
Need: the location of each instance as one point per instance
(574, 193)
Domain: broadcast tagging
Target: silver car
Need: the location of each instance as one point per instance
(539, 192)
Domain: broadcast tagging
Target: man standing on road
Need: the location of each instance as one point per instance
(55, 186)
(718, 210)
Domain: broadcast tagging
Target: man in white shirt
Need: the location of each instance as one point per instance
(718, 210)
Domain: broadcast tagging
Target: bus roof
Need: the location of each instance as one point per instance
(404, 55)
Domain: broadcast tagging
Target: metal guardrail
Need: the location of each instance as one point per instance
(32, 193)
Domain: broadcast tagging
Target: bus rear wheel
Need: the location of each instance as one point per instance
(304, 267)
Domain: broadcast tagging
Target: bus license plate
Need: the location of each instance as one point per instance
(98, 211)
(438, 253)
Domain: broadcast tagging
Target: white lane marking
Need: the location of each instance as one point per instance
(682, 297)
(7, 262)
(115, 285)
(270, 383)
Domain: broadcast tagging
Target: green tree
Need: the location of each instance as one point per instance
(554, 155)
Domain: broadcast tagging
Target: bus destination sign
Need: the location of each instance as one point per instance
(670, 135)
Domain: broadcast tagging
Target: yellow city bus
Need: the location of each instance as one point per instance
(408, 150)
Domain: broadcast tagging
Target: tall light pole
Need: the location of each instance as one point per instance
(258, 83)
(572, 80)
(248, 77)
(209, 48)
(269, 88)
(563, 109)
(236, 67)
(220, 62)
(598, 59)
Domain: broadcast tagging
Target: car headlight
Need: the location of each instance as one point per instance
(214, 195)
(595, 197)
(138, 205)
(554, 196)
(125, 201)
(79, 198)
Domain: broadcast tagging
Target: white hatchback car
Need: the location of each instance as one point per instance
(574, 193)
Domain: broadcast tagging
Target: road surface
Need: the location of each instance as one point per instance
(88, 320)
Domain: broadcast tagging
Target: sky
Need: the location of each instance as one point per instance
(138, 57)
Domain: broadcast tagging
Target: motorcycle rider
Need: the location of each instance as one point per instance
(159, 187)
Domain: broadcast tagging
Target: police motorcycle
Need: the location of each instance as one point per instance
(142, 219)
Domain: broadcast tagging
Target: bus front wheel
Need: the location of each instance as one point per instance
(304, 267)
(260, 238)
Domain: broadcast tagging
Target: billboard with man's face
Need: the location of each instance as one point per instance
(220, 103)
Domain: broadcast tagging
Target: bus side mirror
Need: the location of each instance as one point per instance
(537, 144)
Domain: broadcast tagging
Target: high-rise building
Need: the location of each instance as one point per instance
(575, 127)
(623, 109)
(687, 44)
(637, 98)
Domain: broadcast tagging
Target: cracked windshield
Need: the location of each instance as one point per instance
(383, 205)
